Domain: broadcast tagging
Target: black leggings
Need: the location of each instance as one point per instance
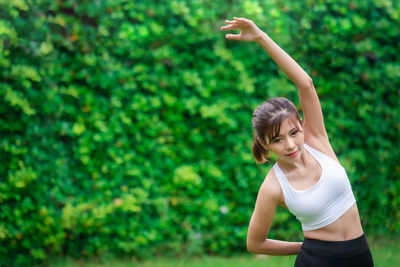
(349, 253)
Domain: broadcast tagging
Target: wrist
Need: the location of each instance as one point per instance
(261, 37)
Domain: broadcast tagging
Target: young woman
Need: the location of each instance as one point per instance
(307, 178)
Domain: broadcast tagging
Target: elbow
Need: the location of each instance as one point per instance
(251, 247)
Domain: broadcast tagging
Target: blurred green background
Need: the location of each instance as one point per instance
(126, 125)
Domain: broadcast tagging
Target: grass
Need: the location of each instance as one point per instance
(385, 253)
(205, 261)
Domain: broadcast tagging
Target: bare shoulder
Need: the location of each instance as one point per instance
(270, 189)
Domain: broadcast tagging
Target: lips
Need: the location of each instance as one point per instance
(292, 154)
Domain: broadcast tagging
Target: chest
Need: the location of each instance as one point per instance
(305, 178)
(319, 193)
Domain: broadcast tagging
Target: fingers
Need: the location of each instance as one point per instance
(233, 36)
(229, 21)
(238, 21)
(229, 27)
(241, 20)
(234, 24)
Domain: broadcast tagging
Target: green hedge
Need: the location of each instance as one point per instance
(126, 125)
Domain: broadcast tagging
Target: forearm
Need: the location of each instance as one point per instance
(276, 247)
(287, 64)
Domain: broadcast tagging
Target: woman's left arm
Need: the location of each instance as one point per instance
(313, 117)
(309, 101)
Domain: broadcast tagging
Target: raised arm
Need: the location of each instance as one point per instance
(313, 118)
(267, 200)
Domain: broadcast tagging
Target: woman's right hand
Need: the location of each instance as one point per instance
(249, 32)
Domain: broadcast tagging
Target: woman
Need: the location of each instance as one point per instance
(307, 177)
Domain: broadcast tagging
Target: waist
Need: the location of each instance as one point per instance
(346, 248)
(348, 226)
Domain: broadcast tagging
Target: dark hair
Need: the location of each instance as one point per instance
(267, 120)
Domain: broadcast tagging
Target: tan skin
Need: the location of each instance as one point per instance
(301, 170)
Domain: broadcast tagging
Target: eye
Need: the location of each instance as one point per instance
(294, 132)
(277, 140)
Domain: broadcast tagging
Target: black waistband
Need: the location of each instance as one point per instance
(346, 248)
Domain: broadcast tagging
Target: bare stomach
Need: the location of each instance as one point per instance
(347, 227)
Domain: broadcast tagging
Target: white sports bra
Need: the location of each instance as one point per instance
(324, 202)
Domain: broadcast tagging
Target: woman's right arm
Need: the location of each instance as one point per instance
(267, 200)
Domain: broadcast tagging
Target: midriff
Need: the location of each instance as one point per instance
(347, 227)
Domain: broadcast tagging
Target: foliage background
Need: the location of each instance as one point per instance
(126, 125)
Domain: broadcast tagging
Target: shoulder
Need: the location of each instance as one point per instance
(270, 189)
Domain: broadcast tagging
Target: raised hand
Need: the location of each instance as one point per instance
(249, 32)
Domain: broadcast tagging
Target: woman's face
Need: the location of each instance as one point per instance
(288, 145)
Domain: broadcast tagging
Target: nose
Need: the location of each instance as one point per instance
(290, 145)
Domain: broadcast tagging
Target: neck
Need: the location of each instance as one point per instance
(301, 162)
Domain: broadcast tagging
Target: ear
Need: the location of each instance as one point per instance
(262, 143)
